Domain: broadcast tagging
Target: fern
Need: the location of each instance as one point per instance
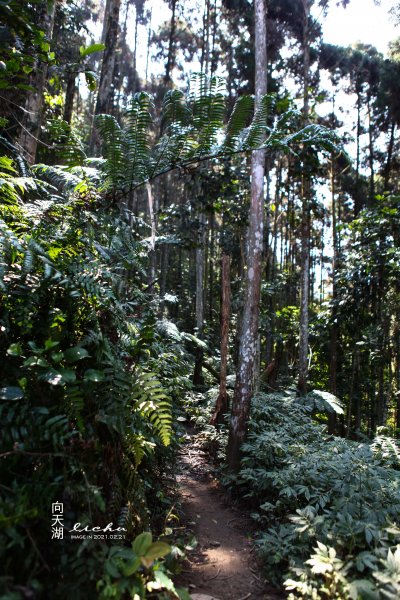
(114, 151)
(237, 122)
(193, 130)
(153, 403)
(259, 125)
(138, 120)
(68, 145)
(175, 109)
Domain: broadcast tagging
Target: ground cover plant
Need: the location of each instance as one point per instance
(328, 507)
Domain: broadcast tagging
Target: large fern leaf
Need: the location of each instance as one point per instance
(114, 150)
(153, 403)
(136, 139)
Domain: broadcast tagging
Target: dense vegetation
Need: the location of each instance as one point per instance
(136, 274)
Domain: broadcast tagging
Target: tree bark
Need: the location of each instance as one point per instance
(305, 225)
(69, 98)
(171, 46)
(221, 405)
(33, 115)
(197, 375)
(105, 91)
(335, 325)
(251, 311)
(388, 165)
(371, 155)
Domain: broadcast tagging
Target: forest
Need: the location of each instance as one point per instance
(200, 302)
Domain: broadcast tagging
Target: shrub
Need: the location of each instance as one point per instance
(328, 507)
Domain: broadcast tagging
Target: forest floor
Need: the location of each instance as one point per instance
(223, 565)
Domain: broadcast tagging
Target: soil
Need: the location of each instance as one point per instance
(223, 565)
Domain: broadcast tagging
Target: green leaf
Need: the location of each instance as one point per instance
(93, 375)
(91, 49)
(324, 402)
(15, 349)
(91, 80)
(50, 344)
(132, 567)
(36, 361)
(142, 543)
(157, 550)
(11, 393)
(60, 377)
(76, 353)
(362, 588)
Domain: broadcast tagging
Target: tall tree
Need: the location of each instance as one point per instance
(251, 311)
(110, 35)
(33, 113)
(306, 216)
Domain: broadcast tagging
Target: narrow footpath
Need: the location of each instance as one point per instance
(223, 565)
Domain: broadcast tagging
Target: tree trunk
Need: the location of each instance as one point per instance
(171, 46)
(371, 155)
(305, 226)
(148, 47)
(33, 115)
(197, 375)
(251, 311)
(69, 98)
(221, 405)
(388, 165)
(335, 325)
(358, 200)
(105, 91)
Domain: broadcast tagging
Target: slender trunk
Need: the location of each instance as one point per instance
(305, 225)
(135, 50)
(152, 208)
(211, 271)
(197, 375)
(206, 37)
(148, 48)
(119, 76)
(105, 91)
(33, 115)
(335, 325)
(221, 405)
(248, 341)
(388, 165)
(371, 155)
(358, 201)
(69, 98)
(171, 46)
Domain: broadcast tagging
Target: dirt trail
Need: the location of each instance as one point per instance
(223, 565)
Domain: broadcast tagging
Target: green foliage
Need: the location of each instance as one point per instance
(334, 495)
(85, 400)
(22, 43)
(193, 130)
(138, 571)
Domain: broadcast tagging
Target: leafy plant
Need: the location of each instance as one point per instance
(84, 403)
(334, 495)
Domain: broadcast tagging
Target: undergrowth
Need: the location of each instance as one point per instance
(91, 382)
(328, 508)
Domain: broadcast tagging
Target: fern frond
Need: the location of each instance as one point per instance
(58, 176)
(68, 145)
(208, 107)
(152, 402)
(175, 110)
(237, 122)
(114, 151)
(136, 138)
(258, 127)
